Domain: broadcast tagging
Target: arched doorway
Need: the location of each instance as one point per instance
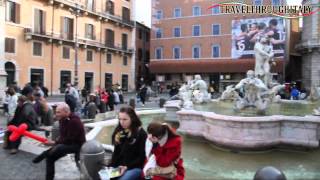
(11, 72)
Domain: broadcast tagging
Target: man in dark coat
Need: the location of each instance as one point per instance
(72, 136)
(24, 113)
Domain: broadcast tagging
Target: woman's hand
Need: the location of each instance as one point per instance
(123, 169)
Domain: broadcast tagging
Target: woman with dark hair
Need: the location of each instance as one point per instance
(129, 140)
(166, 149)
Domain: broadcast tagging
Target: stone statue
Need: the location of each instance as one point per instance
(200, 90)
(229, 94)
(252, 89)
(185, 94)
(314, 93)
(264, 56)
(195, 91)
(316, 112)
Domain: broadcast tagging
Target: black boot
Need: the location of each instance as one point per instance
(40, 157)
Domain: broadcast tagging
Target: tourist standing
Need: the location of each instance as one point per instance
(12, 103)
(143, 94)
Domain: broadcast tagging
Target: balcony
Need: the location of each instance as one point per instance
(70, 40)
(99, 15)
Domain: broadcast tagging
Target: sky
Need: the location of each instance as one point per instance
(143, 10)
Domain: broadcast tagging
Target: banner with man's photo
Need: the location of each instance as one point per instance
(246, 32)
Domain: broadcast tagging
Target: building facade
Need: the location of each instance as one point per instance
(191, 38)
(3, 74)
(142, 53)
(309, 47)
(85, 42)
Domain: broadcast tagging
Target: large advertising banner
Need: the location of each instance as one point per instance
(246, 32)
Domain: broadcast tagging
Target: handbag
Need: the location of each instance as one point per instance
(168, 172)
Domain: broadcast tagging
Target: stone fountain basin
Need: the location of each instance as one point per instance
(251, 133)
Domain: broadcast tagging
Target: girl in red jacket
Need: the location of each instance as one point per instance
(166, 148)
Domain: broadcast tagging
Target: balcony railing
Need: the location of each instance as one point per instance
(58, 38)
(100, 15)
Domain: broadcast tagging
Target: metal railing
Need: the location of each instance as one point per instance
(70, 38)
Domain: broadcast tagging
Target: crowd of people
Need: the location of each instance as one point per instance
(129, 138)
(89, 104)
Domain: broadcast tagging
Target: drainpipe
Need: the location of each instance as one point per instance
(52, 24)
(100, 70)
(3, 74)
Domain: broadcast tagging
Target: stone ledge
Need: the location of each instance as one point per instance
(251, 132)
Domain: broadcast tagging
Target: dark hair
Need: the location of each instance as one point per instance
(244, 27)
(158, 130)
(135, 121)
(273, 22)
(27, 90)
(261, 26)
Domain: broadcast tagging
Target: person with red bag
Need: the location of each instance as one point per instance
(167, 152)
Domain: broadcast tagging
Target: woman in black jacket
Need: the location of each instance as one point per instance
(129, 140)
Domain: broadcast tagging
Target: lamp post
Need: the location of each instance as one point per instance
(77, 13)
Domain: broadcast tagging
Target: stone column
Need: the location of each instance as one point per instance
(3, 74)
(310, 46)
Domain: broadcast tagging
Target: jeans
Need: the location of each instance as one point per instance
(132, 174)
(56, 153)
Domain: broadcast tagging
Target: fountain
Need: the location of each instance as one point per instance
(258, 119)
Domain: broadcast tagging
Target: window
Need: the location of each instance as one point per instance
(10, 45)
(139, 54)
(65, 52)
(125, 60)
(89, 55)
(159, 14)
(196, 31)
(109, 38)
(177, 52)
(12, 12)
(215, 51)
(108, 81)
(276, 2)
(159, 33)
(177, 32)
(36, 76)
(89, 31)
(65, 78)
(147, 36)
(39, 21)
(110, 7)
(196, 52)
(124, 41)
(125, 14)
(158, 53)
(90, 5)
(109, 58)
(124, 82)
(177, 12)
(37, 48)
(215, 29)
(147, 58)
(67, 28)
(196, 11)
(216, 10)
(140, 33)
(257, 2)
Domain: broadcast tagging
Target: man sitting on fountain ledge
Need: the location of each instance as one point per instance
(72, 136)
